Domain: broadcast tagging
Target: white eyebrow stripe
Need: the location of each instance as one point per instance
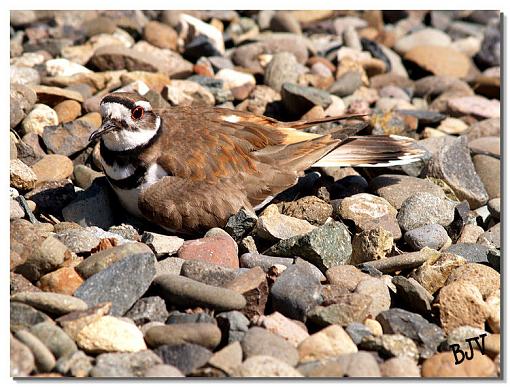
(146, 105)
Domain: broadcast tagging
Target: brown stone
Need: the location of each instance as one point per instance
(160, 35)
(443, 365)
(253, 286)
(440, 60)
(346, 276)
(53, 167)
(67, 110)
(485, 278)
(52, 96)
(64, 280)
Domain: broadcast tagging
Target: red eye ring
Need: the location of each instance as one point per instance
(137, 113)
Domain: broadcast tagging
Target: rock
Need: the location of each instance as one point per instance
(15, 210)
(22, 177)
(53, 303)
(170, 265)
(163, 371)
(391, 345)
(64, 67)
(326, 246)
(489, 145)
(110, 284)
(414, 326)
(124, 364)
(433, 236)
(84, 176)
(346, 276)
(101, 260)
(359, 364)
(404, 261)
(357, 331)
(51, 96)
(371, 245)
(233, 325)
(44, 359)
(46, 257)
(185, 92)
(160, 35)
(470, 233)
(461, 303)
(250, 260)
(346, 84)
(347, 309)
(189, 293)
(413, 295)
(252, 284)
(204, 334)
(67, 110)
(140, 59)
(283, 68)
(422, 209)
(77, 364)
(378, 291)
(217, 250)
(162, 244)
(369, 212)
(328, 342)
(487, 127)
(452, 126)
(53, 167)
(148, 309)
(21, 359)
(54, 338)
(240, 224)
(67, 138)
(309, 208)
(475, 105)
(110, 334)
(397, 188)
(228, 358)
(432, 275)
(283, 327)
(26, 76)
(274, 226)
(22, 99)
(485, 278)
(265, 366)
(488, 169)
(23, 316)
(459, 336)
(444, 365)
(185, 357)
(399, 367)
(257, 341)
(426, 36)
(471, 252)
(64, 280)
(295, 292)
(492, 237)
(493, 303)
(79, 209)
(299, 99)
(207, 273)
(439, 60)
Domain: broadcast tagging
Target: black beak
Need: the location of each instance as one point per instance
(107, 127)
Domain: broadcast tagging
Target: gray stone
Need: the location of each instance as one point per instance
(185, 292)
(205, 334)
(23, 316)
(78, 240)
(471, 252)
(44, 359)
(233, 325)
(21, 357)
(53, 337)
(67, 138)
(299, 99)
(414, 326)
(97, 197)
(453, 164)
(170, 265)
(122, 283)
(250, 260)
(348, 308)
(258, 341)
(354, 365)
(488, 169)
(357, 331)
(148, 309)
(433, 236)
(53, 303)
(422, 209)
(347, 84)
(265, 367)
(326, 246)
(295, 292)
(127, 365)
(414, 296)
(273, 226)
(494, 207)
(397, 188)
(376, 289)
(22, 99)
(185, 357)
(162, 244)
(283, 68)
(163, 371)
(404, 261)
(77, 364)
(207, 273)
(391, 345)
(177, 317)
(240, 224)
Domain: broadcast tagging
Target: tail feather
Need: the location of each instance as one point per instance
(372, 151)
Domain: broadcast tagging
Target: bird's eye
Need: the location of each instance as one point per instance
(137, 113)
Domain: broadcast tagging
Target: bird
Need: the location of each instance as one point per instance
(189, 168)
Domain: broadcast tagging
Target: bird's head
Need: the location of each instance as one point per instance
(128, 121)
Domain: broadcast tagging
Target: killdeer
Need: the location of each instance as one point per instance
(189, 168)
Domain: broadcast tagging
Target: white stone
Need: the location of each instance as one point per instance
(232, 78)
(39, 117)
(64, 67)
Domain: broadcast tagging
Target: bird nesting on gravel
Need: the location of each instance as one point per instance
(189, 168)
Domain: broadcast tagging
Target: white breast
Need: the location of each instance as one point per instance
(129, 197)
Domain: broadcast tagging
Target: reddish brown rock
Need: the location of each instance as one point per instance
(67, 110)
(485, 278)
(217, 250)
(440, 60)
(53, 167)
(253, 286)
(64, 280)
